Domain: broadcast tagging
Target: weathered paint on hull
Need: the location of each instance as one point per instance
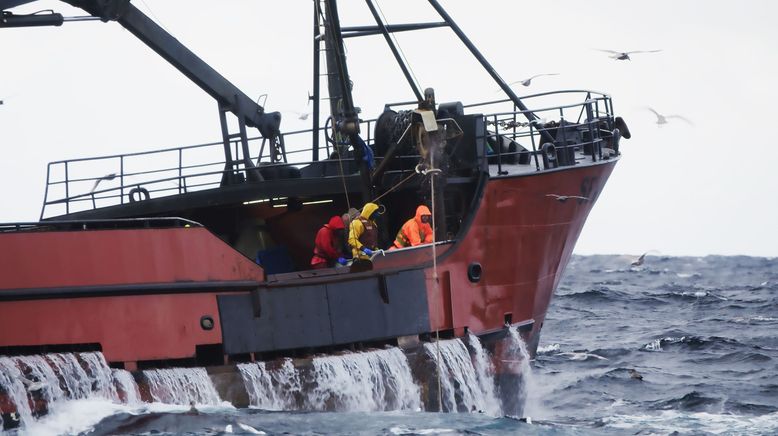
(523, 240)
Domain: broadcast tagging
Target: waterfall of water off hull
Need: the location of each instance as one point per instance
(127, 388)
(33, 385)
(461, 389)
(515, 390)
(271, 388)
(181, 386)
(369, 381)
(484, 370)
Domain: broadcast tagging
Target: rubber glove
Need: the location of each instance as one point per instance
(342, 260)
(367, 251)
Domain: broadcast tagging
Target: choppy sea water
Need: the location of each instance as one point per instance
(678, 345)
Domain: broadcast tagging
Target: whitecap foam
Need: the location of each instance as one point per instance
(402, 430)
(753, 319)
(548, 349)
(581, 356)
(671, 421)
(655, 345)
(74, 417)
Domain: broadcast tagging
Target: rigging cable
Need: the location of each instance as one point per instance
(433, 172)
(399, 47)
(336, 146)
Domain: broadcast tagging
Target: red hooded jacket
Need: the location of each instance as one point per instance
(327, 248)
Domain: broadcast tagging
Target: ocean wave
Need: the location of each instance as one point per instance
(688, 342)
(693, 295)
(674, 422)
(548, 349)
(611, 352)
(749, 408)
(738, 357)
(693, 401)
(582, 356)
(688, 275)
(602, 294)
(754, 319)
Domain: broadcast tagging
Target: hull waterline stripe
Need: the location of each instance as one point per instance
(127, 289)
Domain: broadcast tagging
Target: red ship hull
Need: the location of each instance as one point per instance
(141, 295)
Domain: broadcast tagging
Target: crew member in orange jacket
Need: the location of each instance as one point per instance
(327, 250)
(416, 230)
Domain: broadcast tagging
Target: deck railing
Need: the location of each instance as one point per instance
(90, 183)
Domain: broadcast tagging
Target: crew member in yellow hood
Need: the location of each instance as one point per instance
(363, 232)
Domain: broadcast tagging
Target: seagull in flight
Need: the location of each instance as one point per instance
(527, 82)
(642, 258)
(563, 198)
(624, 55)
(106, 177)
(662, 119)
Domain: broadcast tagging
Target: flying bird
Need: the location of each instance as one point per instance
(106, 177)
(624, 55)
(636, 375)
(527, 82)
(563, 198)
(662, 119)
(640, 260)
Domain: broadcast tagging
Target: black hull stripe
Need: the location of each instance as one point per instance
(127, 290)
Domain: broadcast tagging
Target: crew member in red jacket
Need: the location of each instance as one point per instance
(328, 248)
(416, 230)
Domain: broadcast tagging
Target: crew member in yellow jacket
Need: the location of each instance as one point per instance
(363, 232)
(416, 230)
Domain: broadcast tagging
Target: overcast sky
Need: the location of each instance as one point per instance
(90, 88)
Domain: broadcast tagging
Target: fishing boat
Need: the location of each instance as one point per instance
(199, 256)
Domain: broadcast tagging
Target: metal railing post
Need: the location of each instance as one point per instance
(180, 170)
(121, 179)
(67, 190)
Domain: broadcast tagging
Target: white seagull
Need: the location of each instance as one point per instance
(624, 55)
(105, 177)
(563, 198)
(302, 115)
(662, 119)
(642, 258)
(527, 82)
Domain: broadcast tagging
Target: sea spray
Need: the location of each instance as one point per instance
(12, 386)
(484, 370)
(45, 381)
(517, 350)
(271, 388)
(127, 389)
(181, 386)
(369, 381)
(458, 380)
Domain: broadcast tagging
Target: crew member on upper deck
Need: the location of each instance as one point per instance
(363, 232)
(416, 230)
